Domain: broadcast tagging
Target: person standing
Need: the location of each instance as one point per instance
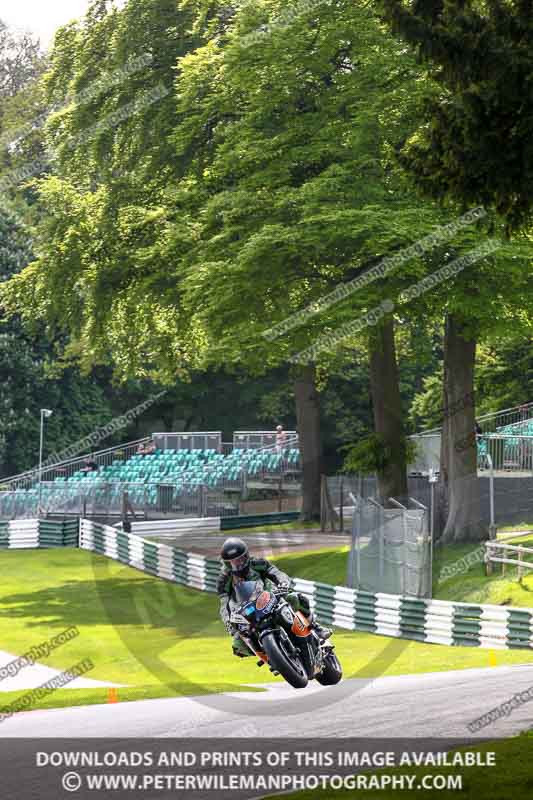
(281, 439)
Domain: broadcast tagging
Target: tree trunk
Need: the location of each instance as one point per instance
(458, 447)
(387, 409)
(441, 490)
(308, 422)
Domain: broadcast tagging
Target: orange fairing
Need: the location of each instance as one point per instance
(262, 656)
(263, 600)
(300, 625)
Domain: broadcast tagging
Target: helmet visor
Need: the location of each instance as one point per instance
(238, 564)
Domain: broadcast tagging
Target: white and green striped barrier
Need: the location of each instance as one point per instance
(154, 558)
(434, 621)
(27, 534)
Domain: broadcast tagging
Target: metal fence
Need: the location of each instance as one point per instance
(210, 440)
(391, 548)
(509, 453)
(495, 420)
(336, 503)
(492, 423)
(105, 500)
(499, 428)
(65, 469)
(246, 440)
(506, 498)
(189, 440)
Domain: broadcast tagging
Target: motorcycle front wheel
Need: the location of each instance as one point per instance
(289, 665)
(331, 672)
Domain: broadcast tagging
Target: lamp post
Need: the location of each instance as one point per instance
(45, 413)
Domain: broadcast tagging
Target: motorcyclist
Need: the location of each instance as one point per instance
(239, 566)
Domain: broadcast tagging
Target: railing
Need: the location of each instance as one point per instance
(291, 442)
(67, 468)
(509, 453)
(284, 467)
(122, 453)
(428, 442)
(494, 420)
(499, 553)
(189, 440)
(105, 499)
(119, 452)
(260, 439)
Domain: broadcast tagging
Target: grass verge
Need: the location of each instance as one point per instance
(164, 640)
(63, 698)
(469, 585)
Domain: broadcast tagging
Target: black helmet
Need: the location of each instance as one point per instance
(235, 555)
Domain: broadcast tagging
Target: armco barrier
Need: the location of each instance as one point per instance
(435, 621)
(32, 533)
(173, 527)
(254, 520)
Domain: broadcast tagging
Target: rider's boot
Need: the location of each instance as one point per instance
(322, 633)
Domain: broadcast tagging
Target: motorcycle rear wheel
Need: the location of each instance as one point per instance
(287, 664)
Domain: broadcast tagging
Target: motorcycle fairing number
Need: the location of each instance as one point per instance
(265, 602)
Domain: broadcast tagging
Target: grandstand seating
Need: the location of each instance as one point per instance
(190, 467)
(512, 451)
(183, 470)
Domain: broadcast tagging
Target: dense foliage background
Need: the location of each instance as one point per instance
(177, 178)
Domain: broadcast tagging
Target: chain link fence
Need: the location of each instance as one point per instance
(106, 501)
(391, 548)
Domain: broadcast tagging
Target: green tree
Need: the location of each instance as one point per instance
(474, 143)
(305, 204)
(173, 238)
(472, 147)
(504, 368)
(313, 199)
(269, 183)
(31, 381)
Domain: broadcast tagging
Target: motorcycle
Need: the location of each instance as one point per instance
(282, 637)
